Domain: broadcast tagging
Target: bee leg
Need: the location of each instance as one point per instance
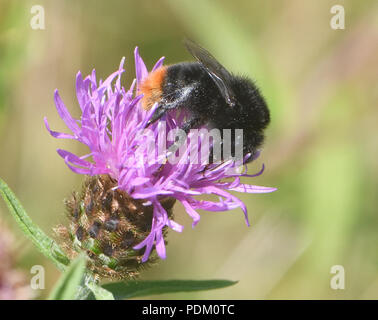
(184, 98)
(187, 125)
(159, 112)
(190, 124)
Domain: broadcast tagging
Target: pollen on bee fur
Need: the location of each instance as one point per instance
(106, 222)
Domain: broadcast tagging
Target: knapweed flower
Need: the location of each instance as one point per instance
(131, 173)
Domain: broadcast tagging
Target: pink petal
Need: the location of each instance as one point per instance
(58, 135)
(65, 115)
(252, 189)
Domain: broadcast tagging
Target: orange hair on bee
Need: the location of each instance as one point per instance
(151, 87)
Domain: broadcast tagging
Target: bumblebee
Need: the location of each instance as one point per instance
(213, 97)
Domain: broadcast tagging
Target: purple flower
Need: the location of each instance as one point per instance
(110, 125)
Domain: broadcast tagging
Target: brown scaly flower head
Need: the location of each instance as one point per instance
(107, 223)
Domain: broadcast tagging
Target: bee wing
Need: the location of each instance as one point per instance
(217, 72)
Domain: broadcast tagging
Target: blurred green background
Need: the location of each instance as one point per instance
(321, 148)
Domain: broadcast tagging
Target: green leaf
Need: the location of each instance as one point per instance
(132, 289)
(44, 243)
(70, 282)
(100, 293)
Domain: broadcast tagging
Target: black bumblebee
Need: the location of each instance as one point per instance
(214, 97)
